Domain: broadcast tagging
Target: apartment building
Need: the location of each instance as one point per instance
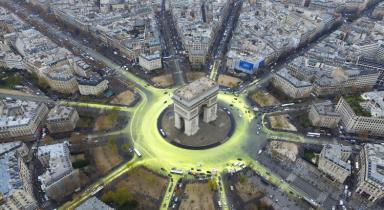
(62, 119)
(333, 161)
(16, 182)
(197, 24)
(150, 62)
(21, 119)
(93, 85)
(372, 57)
(290, 85)
(63, 82)
(370, 181)
(345, 81)
(60, 178)
(359, 124)
(267, 31)
(323, 115)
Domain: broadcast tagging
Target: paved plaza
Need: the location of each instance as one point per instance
(209, 135)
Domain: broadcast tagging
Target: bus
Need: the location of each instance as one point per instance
(311, 134)
(177, 171)
(137, 153)
(97, 190)
(310, 202)
(290, 104)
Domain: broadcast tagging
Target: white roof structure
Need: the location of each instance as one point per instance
(18, 113)
(9, 168)
(57, 158)
(333, 153)
(93, 203)
(375, 102)
(374, 159)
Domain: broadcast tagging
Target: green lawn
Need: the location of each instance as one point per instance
(10, 80)
(120, 198)
(304, 120)
(354, 102)
(309, 156)
(81, 163)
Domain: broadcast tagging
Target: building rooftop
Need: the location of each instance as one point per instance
(267, 29)
(333, 153)
(325, 108)
(9, 168)
(284, 73)
(197, 22)
(151, 57)
(342, 57)
(6, 147)
(56, 159)
(61, 76)
(93, 79)
(133, 30)
(59, 113)
(19, 113)
(374, 103)
(93, 203)
(374, 158)
(195, 88)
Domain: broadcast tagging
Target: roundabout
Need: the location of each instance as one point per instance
(161, 156)
(158, 153)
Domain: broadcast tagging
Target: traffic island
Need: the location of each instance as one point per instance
(209, 135)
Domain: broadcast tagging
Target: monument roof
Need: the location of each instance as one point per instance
(195, 88)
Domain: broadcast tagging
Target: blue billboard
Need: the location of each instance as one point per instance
(249, 67)
(261, 63)
(246, 65)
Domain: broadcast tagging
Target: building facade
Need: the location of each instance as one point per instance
(62, 119)
(60, 179)
(62, 82)
(290, 85)
(370, 181)
(21, 118)
(16, 190)
(359, 124)
(94, 85)
(323, 115)
(355, 82)
(150, 62)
